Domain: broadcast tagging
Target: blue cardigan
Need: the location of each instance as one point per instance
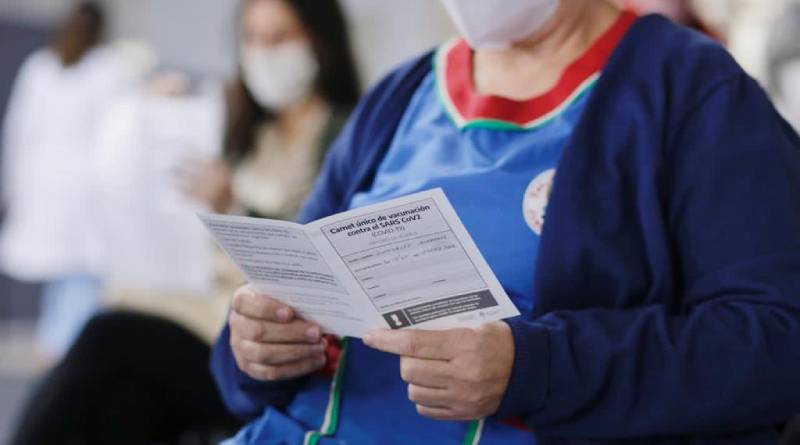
(669, 302)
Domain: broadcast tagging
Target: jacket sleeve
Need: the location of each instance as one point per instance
(730, 358)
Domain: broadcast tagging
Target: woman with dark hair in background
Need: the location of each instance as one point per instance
(57, 100)
(138, 379)
(296, 87)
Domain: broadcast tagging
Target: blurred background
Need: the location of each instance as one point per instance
(155, 107)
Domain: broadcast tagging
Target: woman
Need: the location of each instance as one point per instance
(137, 379)
(297, 85)
(48, 235)
(658, 287)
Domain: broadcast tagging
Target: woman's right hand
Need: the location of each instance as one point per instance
(269, 341)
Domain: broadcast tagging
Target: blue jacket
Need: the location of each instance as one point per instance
(668, 306)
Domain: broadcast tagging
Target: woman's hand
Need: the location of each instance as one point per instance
(269, 342)
(458, 374)
(207, 180)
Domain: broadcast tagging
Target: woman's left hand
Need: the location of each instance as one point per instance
(207, 180)
(457, 374)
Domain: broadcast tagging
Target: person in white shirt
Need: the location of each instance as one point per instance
(48, 143)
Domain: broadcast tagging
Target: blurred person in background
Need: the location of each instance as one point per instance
(163, 261)
(58, 98)
(635, 192)
(133, 378)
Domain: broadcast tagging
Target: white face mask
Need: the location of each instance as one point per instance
(496, 24)
(281, 75)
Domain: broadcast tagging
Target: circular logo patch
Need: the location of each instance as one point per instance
(535, 201)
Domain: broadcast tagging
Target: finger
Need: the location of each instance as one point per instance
(430, 397)
(297, 331)
(248, 303)
(241, 363)
(412, 343)
(279, 353)
(425, 372)
(284, 372)
(437, 413)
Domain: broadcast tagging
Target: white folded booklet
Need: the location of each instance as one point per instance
(408, 262)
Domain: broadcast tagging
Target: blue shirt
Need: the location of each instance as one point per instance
(498, 180)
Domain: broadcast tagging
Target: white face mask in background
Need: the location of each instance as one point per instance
(495, 24)
(281, 75)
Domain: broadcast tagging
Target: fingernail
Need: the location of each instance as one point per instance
(322, 360)
(284, 314)
(319, 347)
(312, 334)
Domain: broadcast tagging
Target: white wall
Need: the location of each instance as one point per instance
(198, 34)
(386, 32)
(33, 10)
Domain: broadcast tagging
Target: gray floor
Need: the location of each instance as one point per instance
(18, 371)
(13, 391)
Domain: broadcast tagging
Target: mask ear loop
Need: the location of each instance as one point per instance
(331, 420)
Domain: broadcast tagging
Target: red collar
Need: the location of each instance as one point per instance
(469, 108)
